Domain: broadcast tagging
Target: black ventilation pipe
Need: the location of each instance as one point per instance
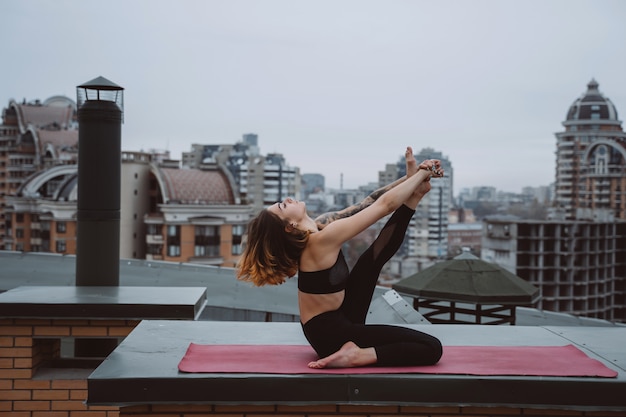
(100, 109)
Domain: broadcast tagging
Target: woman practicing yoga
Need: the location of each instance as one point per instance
(284, 241)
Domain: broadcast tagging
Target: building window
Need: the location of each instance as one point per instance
(207, 241)
(173, 250)
(237, 238)
(60, 246)
(19, 218)
(61, 227)
(173, 240)
(155, 249)
(501, 254)
(154, 229)
(601, 160)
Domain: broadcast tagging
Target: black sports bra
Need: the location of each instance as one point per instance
(326, 281)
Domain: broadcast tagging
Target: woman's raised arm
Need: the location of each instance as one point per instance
(324, 219)
(338, 232)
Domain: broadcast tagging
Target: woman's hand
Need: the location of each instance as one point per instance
(433, 166)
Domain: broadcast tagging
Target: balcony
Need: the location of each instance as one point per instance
(154, 239)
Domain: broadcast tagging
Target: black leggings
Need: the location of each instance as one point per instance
(394, 345)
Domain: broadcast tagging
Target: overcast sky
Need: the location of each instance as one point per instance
(339, 86)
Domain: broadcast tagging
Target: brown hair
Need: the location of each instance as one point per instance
(271, 253)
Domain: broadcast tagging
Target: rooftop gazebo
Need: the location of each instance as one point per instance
(467, 290)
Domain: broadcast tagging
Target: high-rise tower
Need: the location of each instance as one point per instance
(591, 160)
(427, 237)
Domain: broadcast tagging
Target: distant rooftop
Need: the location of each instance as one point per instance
(229, 299)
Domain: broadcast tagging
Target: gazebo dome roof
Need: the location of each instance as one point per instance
(469, 279)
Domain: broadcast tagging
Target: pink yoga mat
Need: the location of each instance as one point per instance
(461, 360)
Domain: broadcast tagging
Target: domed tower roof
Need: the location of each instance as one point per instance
(593, 107)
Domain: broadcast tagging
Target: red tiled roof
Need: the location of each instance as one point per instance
(40, 116)
(58, 138)
(193, 186)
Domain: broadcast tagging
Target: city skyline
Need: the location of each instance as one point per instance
(337, 88)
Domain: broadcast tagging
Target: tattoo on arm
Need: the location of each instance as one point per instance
(376, 194)
(327, 218)
(324, 219)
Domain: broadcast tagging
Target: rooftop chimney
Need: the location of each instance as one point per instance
(100, 109)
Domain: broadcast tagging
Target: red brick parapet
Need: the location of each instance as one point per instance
(26, 345)
(36, 378)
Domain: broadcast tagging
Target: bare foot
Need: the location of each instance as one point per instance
(411, 163)
(411, 168)
(349, 356)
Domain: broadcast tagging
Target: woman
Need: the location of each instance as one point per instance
(333, 301)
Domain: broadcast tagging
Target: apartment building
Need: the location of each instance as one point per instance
(166, 213)
(426, 239)
(579, 266)
(591, 160)
(195, 216)
(34, 135)
(261, 180)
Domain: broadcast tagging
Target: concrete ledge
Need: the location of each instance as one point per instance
(44, 302)
(143, 370)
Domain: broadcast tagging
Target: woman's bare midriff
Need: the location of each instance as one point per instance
(313, 304)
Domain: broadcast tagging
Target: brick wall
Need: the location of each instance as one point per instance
(346, 410)
(26, 345)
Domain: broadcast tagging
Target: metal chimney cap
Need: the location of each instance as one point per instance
(101, 83)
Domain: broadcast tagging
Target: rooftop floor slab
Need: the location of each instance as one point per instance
(144, 370)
